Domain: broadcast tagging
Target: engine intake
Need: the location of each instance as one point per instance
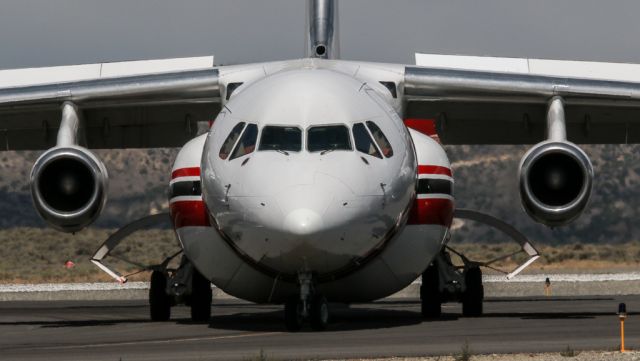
(69, 187)
(555, 182)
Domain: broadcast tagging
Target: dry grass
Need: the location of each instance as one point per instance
(35, 255)
(562, 258)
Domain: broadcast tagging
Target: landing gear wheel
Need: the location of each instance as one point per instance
(430, 293)
(319, 315)
(473, 296)
(201, 296)
(159, 300)
(293, 314)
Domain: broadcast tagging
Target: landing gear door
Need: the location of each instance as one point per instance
(526, 247)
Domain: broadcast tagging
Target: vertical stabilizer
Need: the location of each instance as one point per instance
(322, 29)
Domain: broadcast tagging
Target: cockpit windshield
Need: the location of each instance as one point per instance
(381, 139)
(231, 140)
(280, 138)
(328, 138)
(364, 143)
(247, 142)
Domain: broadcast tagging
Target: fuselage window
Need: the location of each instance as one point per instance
(328, 138)
(363, 140)
(283, 139)
(231, 140)
(247, 142)
(380, 138)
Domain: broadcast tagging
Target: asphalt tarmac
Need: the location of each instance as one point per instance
(120, 330)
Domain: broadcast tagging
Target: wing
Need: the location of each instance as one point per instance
(120, 109)
(485, 106)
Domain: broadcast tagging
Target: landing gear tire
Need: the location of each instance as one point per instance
(473, 296)
(319, 315)
(293, 314)
(431, 304)
(159, 300)
(201, 296)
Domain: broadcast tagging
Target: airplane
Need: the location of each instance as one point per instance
(315, 180)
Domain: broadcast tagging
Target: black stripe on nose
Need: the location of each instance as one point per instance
(185, 188)
(432, 186)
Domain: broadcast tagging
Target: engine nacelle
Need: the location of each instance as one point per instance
(69, 187)
(555, 182)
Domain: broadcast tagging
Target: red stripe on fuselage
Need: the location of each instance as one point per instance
(189, 213)
(438, 211)
(186, 172)
(434, 169)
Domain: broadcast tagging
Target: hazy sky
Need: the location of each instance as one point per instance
(57, 32)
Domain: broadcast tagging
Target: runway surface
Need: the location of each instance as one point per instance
(120, 330)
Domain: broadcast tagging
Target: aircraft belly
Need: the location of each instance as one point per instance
(399, 264)
(217, 261)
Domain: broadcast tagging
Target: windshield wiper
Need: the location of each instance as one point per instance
(281, 151)
(327, 151)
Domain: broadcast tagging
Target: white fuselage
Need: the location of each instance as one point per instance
(299, 189)
(307, 210)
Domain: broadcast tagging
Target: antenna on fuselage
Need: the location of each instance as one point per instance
(322, 29)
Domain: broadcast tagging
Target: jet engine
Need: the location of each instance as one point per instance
(69, 187)
(555, 182)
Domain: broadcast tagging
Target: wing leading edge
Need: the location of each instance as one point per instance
(139, 111)
(487, 107)
(469, 106)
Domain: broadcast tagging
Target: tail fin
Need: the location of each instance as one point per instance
(322, 29)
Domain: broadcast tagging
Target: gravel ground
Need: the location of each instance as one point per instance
(580, 356)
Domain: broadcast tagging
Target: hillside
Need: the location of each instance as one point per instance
(485, 180)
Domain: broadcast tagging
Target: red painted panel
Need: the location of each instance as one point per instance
(189, 213)
(186, 172)
(434, 169)
(437, 211)
(424, 126)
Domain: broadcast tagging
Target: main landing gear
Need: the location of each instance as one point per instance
(184, 285)
(309, 305)
(444, 282)
(159, 300)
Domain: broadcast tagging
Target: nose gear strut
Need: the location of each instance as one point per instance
(308, 306)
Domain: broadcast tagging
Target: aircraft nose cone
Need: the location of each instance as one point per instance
(303, 222)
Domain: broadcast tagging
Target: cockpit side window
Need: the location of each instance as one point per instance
(363, 140)
(247, 142)
(281, 138)
(381, 139)
(328, 138)
(231, 140)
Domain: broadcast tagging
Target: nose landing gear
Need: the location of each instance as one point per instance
(308, 306)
